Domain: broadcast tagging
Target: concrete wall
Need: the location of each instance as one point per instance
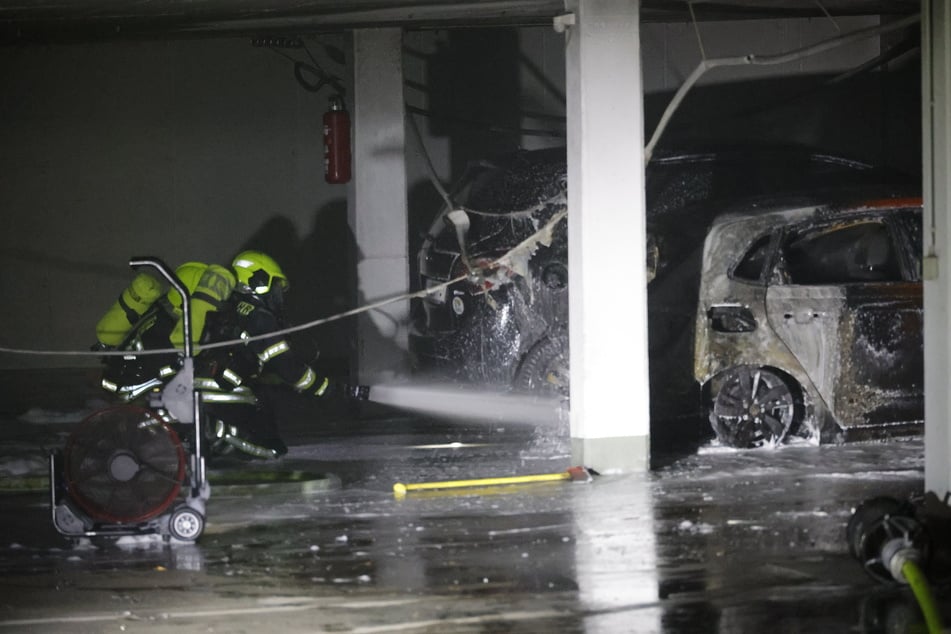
(183, 149)
(195, 149)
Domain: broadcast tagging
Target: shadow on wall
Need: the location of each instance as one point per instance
(425, 203)
(320, 268)
(475, 94)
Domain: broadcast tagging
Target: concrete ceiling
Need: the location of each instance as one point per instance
(55, 20)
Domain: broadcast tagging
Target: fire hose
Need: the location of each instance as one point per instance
(905, 543)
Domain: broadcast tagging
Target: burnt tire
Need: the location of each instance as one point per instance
(544, 369)
(753, 407)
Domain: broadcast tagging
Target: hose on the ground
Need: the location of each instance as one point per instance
(919, 585)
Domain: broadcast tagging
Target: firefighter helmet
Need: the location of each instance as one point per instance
(258, 273)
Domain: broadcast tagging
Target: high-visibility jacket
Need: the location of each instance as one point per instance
(209, 294)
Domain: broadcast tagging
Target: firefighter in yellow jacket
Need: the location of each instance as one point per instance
(143, 318)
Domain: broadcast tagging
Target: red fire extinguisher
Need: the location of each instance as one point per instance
(336, 142)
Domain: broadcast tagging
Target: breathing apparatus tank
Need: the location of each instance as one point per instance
(116, 323)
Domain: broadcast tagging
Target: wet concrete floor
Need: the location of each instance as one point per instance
(715, 541)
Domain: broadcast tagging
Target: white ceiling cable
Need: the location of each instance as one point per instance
(430, 170)
(696, 29)
(766, 60)
(829, 15)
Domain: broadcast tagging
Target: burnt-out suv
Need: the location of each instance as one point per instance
(507, 325)
(503, 325)
(809, 321)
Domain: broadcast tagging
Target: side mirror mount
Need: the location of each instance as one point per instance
(459, 220)
(731, 318)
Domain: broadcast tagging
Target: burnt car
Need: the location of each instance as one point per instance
(809, 322)
(505, 324)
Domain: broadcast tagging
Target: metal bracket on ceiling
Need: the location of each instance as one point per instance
(929, 267)
(561, 22)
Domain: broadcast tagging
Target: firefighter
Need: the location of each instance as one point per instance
(241, 414)
(143, 319)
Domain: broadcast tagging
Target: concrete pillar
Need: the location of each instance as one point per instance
(610, 421)
(936, 148)
(377, 205)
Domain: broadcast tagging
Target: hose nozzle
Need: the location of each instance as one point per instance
(896, 553)
(358, 392)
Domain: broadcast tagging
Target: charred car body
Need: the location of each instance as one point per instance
(506, 325)
(810, 322)
(503, 325)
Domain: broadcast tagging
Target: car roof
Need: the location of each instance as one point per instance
(675, 177)
(823, 204)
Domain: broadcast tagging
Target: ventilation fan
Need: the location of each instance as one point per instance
(124, 465)
(124, 471)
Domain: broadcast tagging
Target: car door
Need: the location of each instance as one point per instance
(846, 302)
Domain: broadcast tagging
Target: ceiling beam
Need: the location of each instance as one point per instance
(54, 20)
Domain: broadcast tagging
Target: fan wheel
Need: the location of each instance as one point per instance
(186, 524)
(124, 465)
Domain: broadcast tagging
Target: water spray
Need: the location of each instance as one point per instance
(473, 405)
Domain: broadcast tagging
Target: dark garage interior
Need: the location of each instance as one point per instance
(771, 286)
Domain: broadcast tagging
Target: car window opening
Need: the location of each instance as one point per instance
(857, 253)
(751, 266)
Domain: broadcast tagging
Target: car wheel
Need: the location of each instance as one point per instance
(544, 369)
(753, 407)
